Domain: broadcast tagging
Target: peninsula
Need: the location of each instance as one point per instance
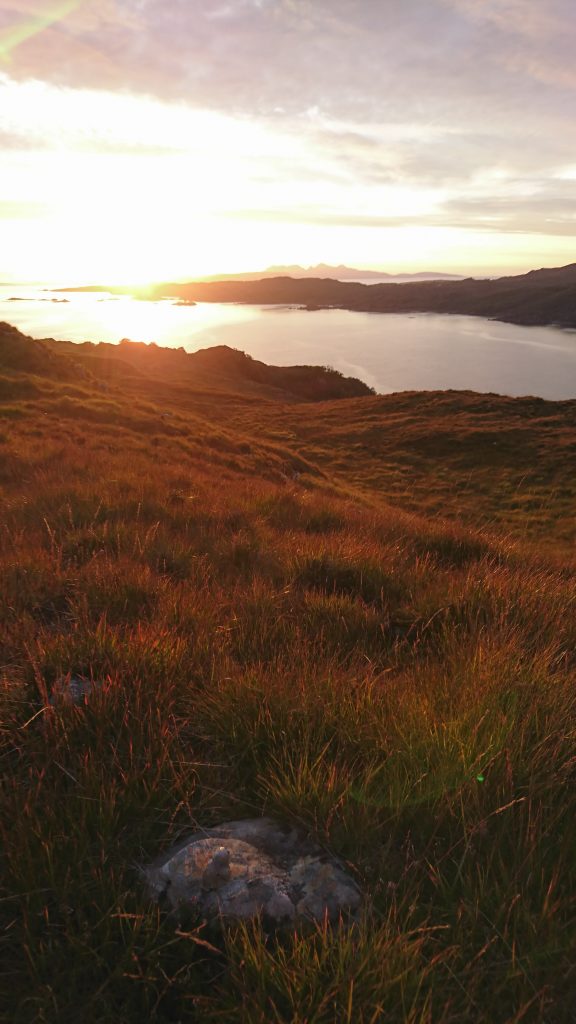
(545, 296)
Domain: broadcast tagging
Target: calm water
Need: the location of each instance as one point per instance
(391, 352)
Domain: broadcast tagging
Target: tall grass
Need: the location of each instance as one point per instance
(403, 689)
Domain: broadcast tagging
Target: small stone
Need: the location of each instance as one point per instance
(73, 690)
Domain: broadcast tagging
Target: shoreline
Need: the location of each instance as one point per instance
(541, 298)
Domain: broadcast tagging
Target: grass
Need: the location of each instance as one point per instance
(400, 684)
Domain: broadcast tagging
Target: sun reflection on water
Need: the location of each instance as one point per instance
(101, 316)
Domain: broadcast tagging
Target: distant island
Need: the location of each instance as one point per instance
(337, 273)
(546, 296)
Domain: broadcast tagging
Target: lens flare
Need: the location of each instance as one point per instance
(18, 34)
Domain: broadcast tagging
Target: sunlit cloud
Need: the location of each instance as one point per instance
(204, 137)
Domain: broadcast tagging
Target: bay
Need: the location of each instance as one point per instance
(390, 352)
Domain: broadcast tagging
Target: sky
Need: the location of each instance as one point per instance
(151, 140)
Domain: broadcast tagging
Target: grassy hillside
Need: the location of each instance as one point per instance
(355, 614)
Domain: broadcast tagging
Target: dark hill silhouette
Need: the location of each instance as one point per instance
(313, 383)
(540, 297)
(129, 359)
(546, 296)
(22, 354)
(551, 276)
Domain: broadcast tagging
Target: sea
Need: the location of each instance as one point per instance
(390, 352)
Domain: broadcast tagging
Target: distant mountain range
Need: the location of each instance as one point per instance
(335, 273)
(546, 296)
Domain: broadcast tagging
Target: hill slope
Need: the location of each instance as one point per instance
(218, 365)
(274, 623)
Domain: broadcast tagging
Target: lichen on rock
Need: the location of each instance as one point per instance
(246, 869)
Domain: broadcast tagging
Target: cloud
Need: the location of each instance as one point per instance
(548, 209)
(22, 210)
(14, 140)
(533, 40)
(480, 84)
(520, 17)
(470, 99)
(369, 58)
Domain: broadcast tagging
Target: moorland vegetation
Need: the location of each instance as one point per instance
(355, 614)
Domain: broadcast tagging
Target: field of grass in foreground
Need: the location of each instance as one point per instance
(403, 687)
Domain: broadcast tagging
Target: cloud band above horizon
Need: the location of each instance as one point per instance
(284, 131)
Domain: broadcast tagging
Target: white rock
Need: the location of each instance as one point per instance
(243, 869)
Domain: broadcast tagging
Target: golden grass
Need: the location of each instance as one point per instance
(309, 647)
